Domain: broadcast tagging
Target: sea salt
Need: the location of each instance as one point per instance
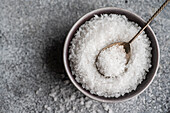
(97, 33)
(112, 61)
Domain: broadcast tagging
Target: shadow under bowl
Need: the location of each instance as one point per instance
(131, 17)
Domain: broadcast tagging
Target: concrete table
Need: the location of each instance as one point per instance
(32, 78)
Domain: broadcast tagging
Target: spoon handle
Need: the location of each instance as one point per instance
(149, 21)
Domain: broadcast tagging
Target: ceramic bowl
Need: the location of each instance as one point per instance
(131, 17)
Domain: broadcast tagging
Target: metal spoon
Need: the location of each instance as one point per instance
(126, 45)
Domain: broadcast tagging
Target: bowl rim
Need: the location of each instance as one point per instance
(66, 46)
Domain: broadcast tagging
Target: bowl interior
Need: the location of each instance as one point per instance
(131, 17)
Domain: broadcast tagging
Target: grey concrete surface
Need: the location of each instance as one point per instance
(32, 78)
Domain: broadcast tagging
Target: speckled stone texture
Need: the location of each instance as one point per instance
(32, 77)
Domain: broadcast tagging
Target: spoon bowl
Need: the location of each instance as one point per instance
(126, 47)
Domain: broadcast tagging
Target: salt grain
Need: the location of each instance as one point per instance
(97, 33)
(48, 108)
